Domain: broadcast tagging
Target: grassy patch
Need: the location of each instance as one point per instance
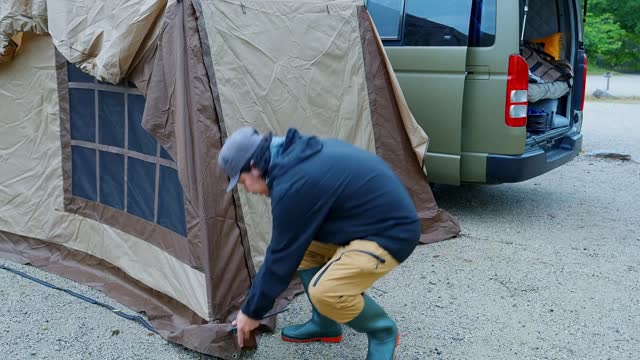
(620, 100)
(593, 69)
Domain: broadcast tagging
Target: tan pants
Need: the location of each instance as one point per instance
(347, 271)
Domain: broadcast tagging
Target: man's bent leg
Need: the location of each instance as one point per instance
(337, 291)
(319, 328)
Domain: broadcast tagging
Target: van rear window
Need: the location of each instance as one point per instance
(432, 23)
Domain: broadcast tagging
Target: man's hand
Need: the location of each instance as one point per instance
(245, 325)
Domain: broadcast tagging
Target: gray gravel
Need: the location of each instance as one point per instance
(545, 269)
(41, 323)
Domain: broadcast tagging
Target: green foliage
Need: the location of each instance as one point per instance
(611, 33)
(605, 37)
(624, 12)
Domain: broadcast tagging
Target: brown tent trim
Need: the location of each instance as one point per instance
(152, 233)
(167, 315)
(180, 112)
(65, 124)
(392, 141)
(208, 62)
(174, 321)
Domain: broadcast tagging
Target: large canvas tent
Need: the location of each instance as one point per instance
(112, 117)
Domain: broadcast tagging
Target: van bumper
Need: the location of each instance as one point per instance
(535, 162)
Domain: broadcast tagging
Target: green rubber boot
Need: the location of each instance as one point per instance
(381, 330)
(319, 328)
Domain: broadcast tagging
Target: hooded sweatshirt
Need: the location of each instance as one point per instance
(329, 191)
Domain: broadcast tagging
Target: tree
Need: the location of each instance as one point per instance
(611, 32)
(605, 37)
(624, 12)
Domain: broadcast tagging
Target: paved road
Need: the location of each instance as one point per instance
(620, 85)
(545, 269)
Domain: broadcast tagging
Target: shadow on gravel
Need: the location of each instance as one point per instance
(491, 202)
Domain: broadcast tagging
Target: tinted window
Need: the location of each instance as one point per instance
(436, 23)
(387, 15)
(482, 29)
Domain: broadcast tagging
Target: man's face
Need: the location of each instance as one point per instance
(253, 182)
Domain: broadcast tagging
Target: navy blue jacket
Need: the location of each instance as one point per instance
(330, 191)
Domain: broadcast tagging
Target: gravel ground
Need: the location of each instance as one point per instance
(619, 85)
(544, 269)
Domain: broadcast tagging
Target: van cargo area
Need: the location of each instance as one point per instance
(551, 103)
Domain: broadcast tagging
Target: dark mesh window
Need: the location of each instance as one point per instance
(139, 139)
(165, 155)
(111, 118)
(83, 172)
(114, 160)
(76, 75)
(112, 179)
(170, 209)
(140, 188)
(82, 114)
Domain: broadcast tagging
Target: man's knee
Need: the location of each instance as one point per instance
(336, 307)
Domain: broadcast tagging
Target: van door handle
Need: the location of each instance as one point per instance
(477, 72)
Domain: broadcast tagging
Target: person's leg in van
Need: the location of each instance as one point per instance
(319, 327)
(337, 291)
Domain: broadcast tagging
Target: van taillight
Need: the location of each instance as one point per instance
(517, 91)
(584, 83)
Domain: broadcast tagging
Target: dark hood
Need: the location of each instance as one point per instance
(295, 149)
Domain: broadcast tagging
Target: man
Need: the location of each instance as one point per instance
(341, 218)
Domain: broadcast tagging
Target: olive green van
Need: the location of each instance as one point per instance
(460, 67)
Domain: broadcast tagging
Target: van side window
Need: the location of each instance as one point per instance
(432, 23)
(387, 16)
(429, 23)
(482, 29)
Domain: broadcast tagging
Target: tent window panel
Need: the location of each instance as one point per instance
(171, 201)
(82, 109)
(76, 75)
(139, 139)
(112, 179)
(83, 173)
(111, 118)
(141, 188)
(115, 161)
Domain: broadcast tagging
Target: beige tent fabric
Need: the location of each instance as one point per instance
(31, 190)
(104, 38)
(18, 16)
(280, 65)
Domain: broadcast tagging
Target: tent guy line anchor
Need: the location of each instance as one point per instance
(137, 318)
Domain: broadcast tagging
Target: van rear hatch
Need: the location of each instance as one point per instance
(554, 107)
(553, 44)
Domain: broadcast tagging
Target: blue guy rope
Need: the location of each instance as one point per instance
(137, 318)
